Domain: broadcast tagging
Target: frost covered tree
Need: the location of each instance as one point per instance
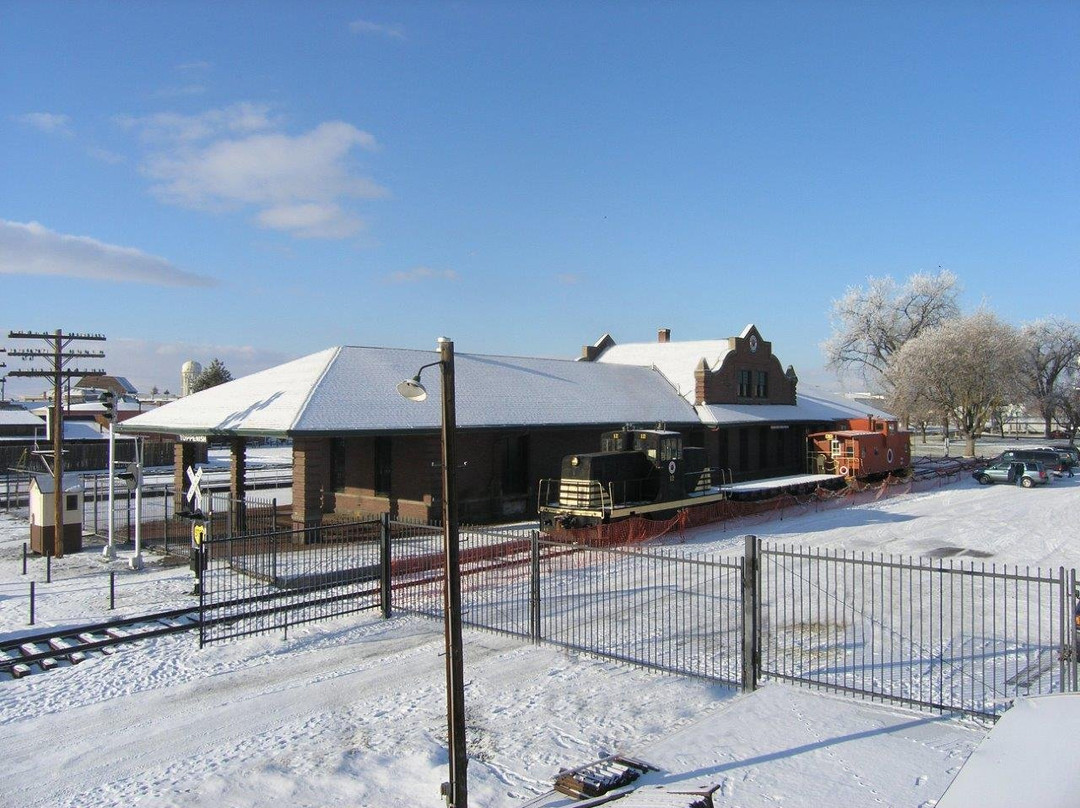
(1069, 401)
(872, 323)
(1051, 348)
(964, 368)
(214, 375)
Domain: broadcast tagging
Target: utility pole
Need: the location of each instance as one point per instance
(58, 356)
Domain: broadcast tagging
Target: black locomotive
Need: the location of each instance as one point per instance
(644, 472)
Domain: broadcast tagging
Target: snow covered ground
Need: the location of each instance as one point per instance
(352, 711)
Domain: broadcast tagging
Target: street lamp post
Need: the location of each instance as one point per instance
(456, 790)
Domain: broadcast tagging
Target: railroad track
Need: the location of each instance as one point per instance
(61, 647)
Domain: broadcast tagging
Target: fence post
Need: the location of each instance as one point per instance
(165, 511)
(534, 589)
(751, 657)
(1073, 631)
(31, 603)
(384, 566)
(24, 558)
(112, 590)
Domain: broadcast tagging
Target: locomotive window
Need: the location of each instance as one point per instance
(669, 449)
(850, 450)
(836, 448)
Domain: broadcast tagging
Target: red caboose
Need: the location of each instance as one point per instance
(868, 447)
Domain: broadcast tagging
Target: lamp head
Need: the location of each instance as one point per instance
(412, 389)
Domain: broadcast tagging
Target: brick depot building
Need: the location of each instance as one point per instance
(359, 447)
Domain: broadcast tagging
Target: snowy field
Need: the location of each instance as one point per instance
(352, 711)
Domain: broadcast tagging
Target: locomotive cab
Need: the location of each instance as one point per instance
(638, 470)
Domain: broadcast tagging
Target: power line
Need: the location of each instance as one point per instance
(57, 355)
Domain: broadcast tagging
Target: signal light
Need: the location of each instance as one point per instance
(108, 401)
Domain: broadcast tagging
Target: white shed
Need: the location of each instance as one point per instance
(42, 521)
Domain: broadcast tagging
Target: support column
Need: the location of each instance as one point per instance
(309, 467)
(237, 473)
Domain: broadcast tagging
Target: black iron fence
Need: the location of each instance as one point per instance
(945, 633)
(266, 582)
(161, 525)
(940, 633)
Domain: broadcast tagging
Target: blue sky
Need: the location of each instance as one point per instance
(258, 181)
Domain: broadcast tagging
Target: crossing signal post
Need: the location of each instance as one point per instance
(108, 401)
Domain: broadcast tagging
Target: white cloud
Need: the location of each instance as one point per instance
(30, 249)
(417, 274)
(392, 31)
(270, 169)
(48, 122)
(311, 220)
(105, 156)
(239, 119)
(234, 158)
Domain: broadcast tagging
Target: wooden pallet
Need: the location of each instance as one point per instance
(601, 776)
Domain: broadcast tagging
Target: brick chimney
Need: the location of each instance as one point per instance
(663, 335)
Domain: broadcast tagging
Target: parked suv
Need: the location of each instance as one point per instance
(1070, 455)
(1050, 458)
(1032, 473)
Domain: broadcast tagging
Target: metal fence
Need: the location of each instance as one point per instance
(160, 524)
(940, 633)
(944, 633)
(266, 582)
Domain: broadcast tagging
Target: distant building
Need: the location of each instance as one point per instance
(118, 385)
(189, 372)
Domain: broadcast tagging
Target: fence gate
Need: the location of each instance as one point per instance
(663, 608)
(943, 633)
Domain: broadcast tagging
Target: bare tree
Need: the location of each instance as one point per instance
(964, 368)
(1051, 347)
(871, 324)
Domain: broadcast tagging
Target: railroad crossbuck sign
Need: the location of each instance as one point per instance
(194, 494)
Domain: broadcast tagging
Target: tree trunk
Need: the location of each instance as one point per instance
(1047, 423)
(970, 446)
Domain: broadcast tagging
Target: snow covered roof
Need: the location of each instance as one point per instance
(676, 360)
(353, 390)
(19, 417)
(811, 406)
(1029, 758)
